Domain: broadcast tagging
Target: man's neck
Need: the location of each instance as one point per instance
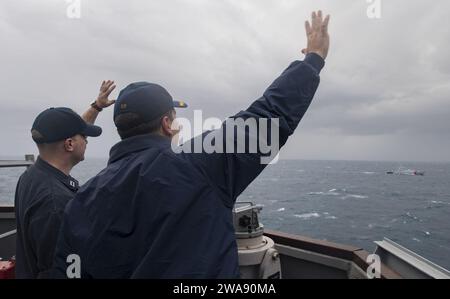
(60, 164)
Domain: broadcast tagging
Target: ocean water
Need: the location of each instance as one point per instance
(348, 202)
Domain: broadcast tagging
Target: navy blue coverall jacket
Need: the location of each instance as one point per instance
(154, 213)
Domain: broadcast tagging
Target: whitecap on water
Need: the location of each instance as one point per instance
(329, 193)
(357, 196)
(315, 193)
(307, 215)
(409, 215)
(438, 202)
(281, 209)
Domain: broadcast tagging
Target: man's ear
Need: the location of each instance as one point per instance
(166, 126)
(69, 145)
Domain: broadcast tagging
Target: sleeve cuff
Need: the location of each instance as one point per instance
(315, 61)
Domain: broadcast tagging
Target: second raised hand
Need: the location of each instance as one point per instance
(106, 88)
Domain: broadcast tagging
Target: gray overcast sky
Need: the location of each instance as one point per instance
(384, 95)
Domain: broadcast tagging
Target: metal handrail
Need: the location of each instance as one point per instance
(29, 160)
(7, 234)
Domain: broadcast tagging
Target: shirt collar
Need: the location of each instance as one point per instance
(67, 180)
(137, 144)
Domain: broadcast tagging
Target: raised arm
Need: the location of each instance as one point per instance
(286, 100)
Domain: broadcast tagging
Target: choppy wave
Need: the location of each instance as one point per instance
(355, 196)
(413, 217)
(338, 192)
(438, 202)
(331, 192)
(307, 215)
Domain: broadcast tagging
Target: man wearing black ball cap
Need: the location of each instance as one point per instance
(45, 188)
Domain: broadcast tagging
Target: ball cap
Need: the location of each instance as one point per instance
(148, 100)
(56, 124)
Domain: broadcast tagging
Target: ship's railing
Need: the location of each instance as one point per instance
(7, 232)
(408, 263)
(7, 217)
(8, 244)
(29, 160)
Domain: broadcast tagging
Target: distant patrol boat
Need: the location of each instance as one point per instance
(405, 171)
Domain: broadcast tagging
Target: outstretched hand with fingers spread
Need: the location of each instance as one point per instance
(317, 34)
(105, 90)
